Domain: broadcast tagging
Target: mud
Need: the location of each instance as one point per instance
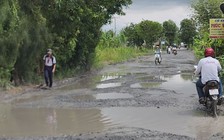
(130, 100)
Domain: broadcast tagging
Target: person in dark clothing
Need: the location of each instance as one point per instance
(49, 67)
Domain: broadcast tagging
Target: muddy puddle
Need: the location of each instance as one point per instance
(50, 122)
(171, 120)
(181, 83)
(54, 122)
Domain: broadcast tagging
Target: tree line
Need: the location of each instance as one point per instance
(149, 32)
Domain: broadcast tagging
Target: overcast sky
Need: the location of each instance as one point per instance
(154, 10)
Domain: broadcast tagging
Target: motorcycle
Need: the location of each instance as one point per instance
(158, 58)
(211, 95)
(169, 50)
(174, 50)
(211, 91)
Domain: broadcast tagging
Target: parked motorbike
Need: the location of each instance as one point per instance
(158, 58)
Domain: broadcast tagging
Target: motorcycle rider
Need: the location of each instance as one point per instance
(174, 49)
(158, 51)
(208, 68)
(168, 49)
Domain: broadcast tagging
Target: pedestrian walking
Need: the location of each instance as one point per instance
(49, 67)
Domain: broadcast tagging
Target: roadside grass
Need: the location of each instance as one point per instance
(111, 55)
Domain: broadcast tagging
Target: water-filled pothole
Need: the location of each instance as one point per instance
(21, 122)
(113, 96)
(108, 85)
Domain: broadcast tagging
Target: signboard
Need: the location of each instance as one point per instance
(163, 42)
(217, 28)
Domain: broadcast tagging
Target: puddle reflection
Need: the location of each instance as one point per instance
(170, 120)
(54, 122)
(50, 122)
(180, 83)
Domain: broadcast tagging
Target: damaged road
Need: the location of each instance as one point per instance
(131, 100)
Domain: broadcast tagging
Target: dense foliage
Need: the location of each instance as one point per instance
(71, 28)
(170, 31)
(203, 11)
(146, 32)
(187, 31)
(133, 38)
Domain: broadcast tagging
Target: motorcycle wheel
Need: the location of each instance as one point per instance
(160, 60)
(214, 108)
(156, 61)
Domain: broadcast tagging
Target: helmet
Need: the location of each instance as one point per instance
(209, 52)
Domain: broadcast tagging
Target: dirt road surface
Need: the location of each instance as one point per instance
(129, 101)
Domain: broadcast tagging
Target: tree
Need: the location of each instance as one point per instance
(149, 31)
(76, 26)
(33, 37)
(204, 10)
(187, 31)
(10, 38)
(132, 35)
(170, 31)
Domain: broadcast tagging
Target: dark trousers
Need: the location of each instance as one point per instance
(48, 75)
(199, 87)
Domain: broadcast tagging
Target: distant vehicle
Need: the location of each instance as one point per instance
(182, 44)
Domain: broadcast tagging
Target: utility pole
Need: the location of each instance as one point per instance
(115, 24)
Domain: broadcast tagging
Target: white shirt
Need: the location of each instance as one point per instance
(158, 51)
(208, 67)
(49, 61)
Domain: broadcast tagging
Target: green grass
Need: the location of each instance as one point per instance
(115, 55)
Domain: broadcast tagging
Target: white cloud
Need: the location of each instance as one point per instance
(159, 13)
